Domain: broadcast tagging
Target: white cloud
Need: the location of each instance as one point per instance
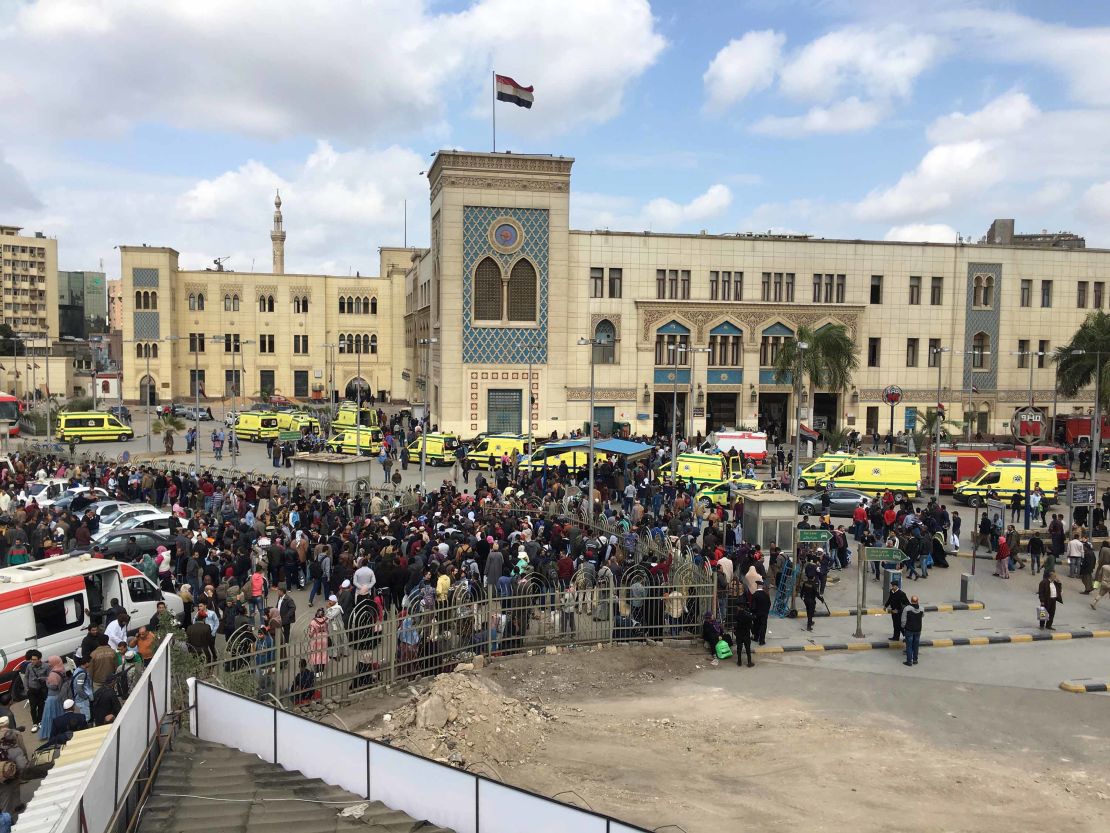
(1095, 202)
(1001, 117)
(598, 211)
(1003, 148)
(338, 207)
(14, 190)
(745, 65)
(351, 68)
(878, 63)
(922, 233)
(845, 116)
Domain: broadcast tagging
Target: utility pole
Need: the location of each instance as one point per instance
(427, 342)
(799, 413)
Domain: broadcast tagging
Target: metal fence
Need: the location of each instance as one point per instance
(374, 647)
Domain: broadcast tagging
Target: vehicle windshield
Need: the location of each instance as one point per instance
(10, 411)
(36, 488)
(450, 443)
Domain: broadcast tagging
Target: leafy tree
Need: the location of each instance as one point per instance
(1085, 357)
(829, 361)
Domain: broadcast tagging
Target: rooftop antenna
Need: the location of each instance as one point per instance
(406, 224)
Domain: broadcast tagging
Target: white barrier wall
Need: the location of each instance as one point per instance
(121, 753)
(421, 788)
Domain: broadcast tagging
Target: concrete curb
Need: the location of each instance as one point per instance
(953, 642)
(1083, 688)
(878, 611)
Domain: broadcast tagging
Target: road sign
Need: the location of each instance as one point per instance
(1029, 425)
(892, 394)
(883, 554)
(813, 536)
(1081, 492)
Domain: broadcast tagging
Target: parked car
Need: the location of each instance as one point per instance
(120, 412)
(842, 502)
(147, 540)
(191, 413)
(163, 522)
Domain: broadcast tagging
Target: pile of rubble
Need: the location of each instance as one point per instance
(463, 719)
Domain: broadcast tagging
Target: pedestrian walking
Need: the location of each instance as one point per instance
(896, 602)
(912, 616)
(1051, 593)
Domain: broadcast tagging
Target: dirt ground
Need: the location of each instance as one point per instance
(657, 735)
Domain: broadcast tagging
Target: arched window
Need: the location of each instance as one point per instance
(304, 304)
(522, 292)
(365, 306)
(269, 303)
(138, 299)
(605, 346)
(297, 304)
(366, 344)
(350, 304)
(154, 300)
(988, 291)
(373, 344)
(192, 300)
(342, 305)
(980, 350)
(227, 303)
(200, 300)
(138, 351)
(358, 306)
(350, 343)
(154, 351)
(487, 291)
(261, 303)
(234, 303)
(373, 306)
(342, 340)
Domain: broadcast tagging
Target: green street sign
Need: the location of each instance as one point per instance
(813, 536)
(883, 554)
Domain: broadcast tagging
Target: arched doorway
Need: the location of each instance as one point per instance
(351, 391)
(148, 391)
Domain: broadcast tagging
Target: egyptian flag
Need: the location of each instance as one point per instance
(509, 90)
(808, 433)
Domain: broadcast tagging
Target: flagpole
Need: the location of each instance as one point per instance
(493, 106)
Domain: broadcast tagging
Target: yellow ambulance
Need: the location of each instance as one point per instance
(1007, 477)
(298, 421)
(91, 426)
(364, 441)
(819, 469)
(495, 446)
(439, 449)
(875, 474)
(704, 468)
(256, 426)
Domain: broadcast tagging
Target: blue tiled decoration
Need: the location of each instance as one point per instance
(778, 330)
(144, 277)
(726, 328)
(666, 376)
(984, 320)
(767, 377)
(717, 376)
(147, 326)
(673, 328)
(504, 345)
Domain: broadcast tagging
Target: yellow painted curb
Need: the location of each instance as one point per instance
(1061, 635)
(1022, 637)
(942, 643)
(979, 640)
(1073, 687)
(944, 609)
(859, 646)
(814, 647)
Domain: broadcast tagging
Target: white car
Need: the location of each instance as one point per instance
(38, 490)
(165, 522)
(130, 510)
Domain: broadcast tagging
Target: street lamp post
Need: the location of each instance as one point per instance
(1029, 355)
(591, 343)
(799, 413)
(329, 373)
(428, 342)
(938, 352)
(242, 373)
(1096, 421)
(520, 345)
(674, 348)
(690, 404)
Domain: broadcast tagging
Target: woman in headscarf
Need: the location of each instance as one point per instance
(149, 568)
(337, 634)
(318, 640)
(53, 707)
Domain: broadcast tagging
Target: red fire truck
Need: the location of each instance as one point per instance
(965, 461)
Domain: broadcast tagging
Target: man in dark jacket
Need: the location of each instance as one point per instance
(287, 610)
(896, 602)
(912, 616)
(743, 626)
(1051, 593)
(761, 609)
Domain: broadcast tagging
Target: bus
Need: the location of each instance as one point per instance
(966, 461)
(11, 409)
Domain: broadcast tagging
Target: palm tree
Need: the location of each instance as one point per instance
(1086, 356)
(168, 427)
(829, 361)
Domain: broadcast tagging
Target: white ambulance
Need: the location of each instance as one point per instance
(752, 443)
(48, 604)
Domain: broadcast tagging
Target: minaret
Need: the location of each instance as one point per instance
(277, 238)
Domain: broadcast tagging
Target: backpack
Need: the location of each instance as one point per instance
(65, 690)
(316, 570)
(723, 650)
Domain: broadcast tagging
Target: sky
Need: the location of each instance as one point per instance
(173, 123)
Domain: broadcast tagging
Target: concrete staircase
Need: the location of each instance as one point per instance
(239, 790)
